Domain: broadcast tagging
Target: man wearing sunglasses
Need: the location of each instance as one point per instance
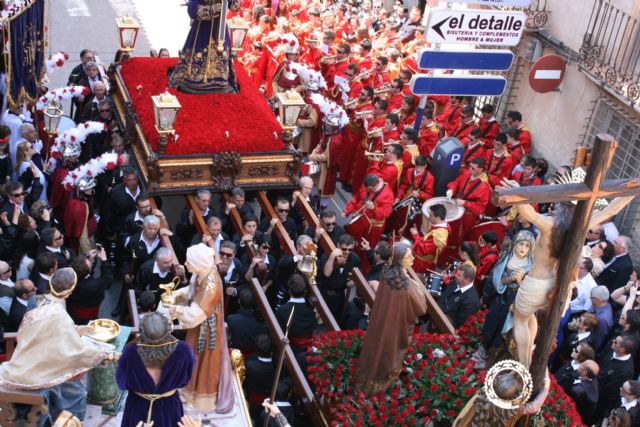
(232, 274)
(335, 274)
(329, 226)
(19, 198)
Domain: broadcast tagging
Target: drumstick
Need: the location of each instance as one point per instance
(435, 272)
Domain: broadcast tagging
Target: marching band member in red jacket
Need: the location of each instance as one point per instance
(472, 191)
(371, 206)
(427, 249)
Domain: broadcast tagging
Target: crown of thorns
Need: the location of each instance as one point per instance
(518, 368)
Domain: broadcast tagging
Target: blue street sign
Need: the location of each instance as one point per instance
(423, 84)
(488, 59)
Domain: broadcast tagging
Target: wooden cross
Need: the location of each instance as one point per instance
(586, 194)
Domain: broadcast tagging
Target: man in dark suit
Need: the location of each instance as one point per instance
(304, 317)
(460, 298)
(122, 201)
(186, 229)
(616, 367)
(311, 195)
(53, 241)
(329, 226)
(25, 291)
(244, 326)
(157, 271)
(44, 266)
(133, 222)
(335, 274)
(259, 374)
(83, 305)
(19, 198)
(616, 274)
(585, 391)
(232, 274)
(629, 395)
(282, 208)
(79, 73)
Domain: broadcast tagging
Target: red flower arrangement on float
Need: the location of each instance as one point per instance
(437, 380)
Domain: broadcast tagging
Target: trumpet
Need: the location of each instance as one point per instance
(351, 104)
(363, 75)
(374, 133)
(372, 155)
(363, 114)
(328, 59)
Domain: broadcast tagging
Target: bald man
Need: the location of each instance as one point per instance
(585, 390)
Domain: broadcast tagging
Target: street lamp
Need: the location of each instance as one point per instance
(165, 110)
(52, 115)
(290, 104)
(238, 29)
(128, 28)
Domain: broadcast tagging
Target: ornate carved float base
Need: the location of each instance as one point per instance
(219, 171)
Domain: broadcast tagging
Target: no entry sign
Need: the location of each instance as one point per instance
(547, 73)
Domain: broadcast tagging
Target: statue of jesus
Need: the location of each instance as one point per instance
(205, 64)
(537, 285)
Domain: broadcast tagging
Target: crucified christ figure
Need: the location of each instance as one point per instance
(537, 285)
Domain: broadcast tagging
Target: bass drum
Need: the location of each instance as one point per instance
(454, 212)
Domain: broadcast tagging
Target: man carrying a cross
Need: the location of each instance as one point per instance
(537, 285)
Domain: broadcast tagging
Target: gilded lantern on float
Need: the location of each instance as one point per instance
(238, 29)
(128, 28)
(289, 105)
(52, 115)
(165, 110)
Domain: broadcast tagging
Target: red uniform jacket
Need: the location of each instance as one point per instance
(383, 204)
(477, 151)
(526, 182)
(475, 192)
(498, 168)
(525, 138)
(490, 129)
(411, 182)
(394, 102)
(426, 251)
(388, 172)
(428, 139)
(450, 117)
(75, 218)
(516, 151)
(488, 258)
(461, 131)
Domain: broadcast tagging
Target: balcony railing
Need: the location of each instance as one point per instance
(610, 51)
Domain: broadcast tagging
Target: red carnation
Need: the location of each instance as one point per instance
(59, 62)
(74, 176)
(86, 125)
(73, 138)
(68, 187)
(64, 90)
(66, 55)
(89, 173)
(85, 91)
(55, 154)
(292, 43)
(434, 388)
(111, 165)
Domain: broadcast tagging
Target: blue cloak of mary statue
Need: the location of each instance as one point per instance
(205, 64)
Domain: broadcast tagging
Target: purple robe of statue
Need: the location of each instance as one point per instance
(205, 67)
(132, 375)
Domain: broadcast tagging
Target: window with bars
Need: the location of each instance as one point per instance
(611, 118)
